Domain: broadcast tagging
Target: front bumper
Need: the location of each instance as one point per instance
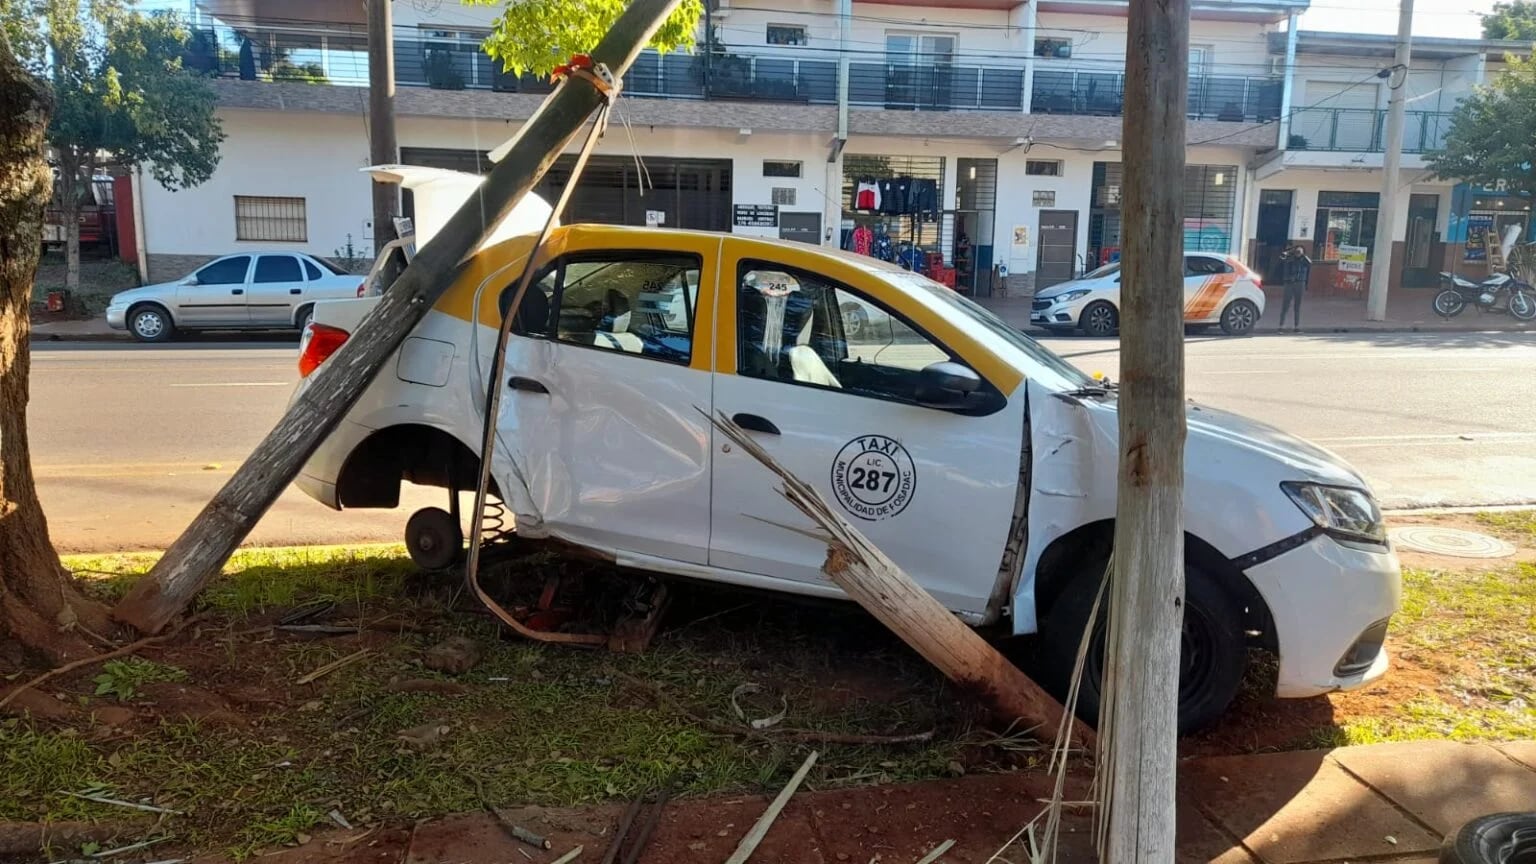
(117, 317)
(1329, 604)
(1056, 315)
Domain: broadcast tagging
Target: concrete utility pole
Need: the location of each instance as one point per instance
(382, 149)
(1138, 719)
(1391, 163)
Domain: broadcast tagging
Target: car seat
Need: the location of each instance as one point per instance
(805, 364)
(613, 330)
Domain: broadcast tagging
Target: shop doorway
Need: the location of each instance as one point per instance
(1056, 255)
(973, 228)
(1274, 231)
(1420, 267)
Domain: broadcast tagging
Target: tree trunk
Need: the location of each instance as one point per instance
(1138, 725)
(196, 556)
(69, 211)
(40, 608)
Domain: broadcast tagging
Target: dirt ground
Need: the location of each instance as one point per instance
(262, 736)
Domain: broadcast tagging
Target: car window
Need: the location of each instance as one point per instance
(278, 268)
(311, 272)
(225, 271)
(336, 270)
(800, 328)
(1200, 265)
(1106, 270)
(533, 313)
(635, 303)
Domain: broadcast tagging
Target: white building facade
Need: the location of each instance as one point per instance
(995, 123)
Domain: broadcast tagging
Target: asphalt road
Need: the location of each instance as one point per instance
(130, 441)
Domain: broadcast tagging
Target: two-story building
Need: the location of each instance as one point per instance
(991, 126)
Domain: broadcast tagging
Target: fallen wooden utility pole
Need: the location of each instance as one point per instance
(196, 556)
(1138, 723)
(888, 593)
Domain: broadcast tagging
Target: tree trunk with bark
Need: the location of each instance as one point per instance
(69, 213)
(40, 607)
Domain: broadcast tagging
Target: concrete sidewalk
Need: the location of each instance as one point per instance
(1408, 310)
(1380, 803)
(77, 330)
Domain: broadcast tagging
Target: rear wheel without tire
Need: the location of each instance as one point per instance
(1211, 662)
(1449, 303)
(1239, 318)
(1100, 318)
(433, 538)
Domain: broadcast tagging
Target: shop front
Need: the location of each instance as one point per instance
(1480, 220)
(1210, 202)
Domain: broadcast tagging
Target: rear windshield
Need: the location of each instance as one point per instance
(335, 270)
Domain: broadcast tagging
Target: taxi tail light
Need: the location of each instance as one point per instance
(362, 288)
(319, 342)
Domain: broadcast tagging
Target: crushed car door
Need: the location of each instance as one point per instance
(825, 377)
(608, 377)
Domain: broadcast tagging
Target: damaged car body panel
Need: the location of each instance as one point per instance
(953, 442)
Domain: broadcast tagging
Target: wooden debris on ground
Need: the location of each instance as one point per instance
(759, 830)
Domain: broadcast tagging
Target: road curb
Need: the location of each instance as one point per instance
(81, 337)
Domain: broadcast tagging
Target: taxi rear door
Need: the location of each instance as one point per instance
(821, 369)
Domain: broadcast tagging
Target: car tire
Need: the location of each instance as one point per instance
(855, 321)
(149, 322)
(1100, 318)
(1494, 839)
(433, 538)
(1239, 318)
(1212, 662)
(306, 315)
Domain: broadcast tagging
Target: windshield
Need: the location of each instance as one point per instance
(1073, 376)
(1106, 270)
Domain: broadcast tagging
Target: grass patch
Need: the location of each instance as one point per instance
(1519, 525)
(257, 580)
(1476, 630)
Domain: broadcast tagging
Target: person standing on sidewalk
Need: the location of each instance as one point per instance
(1296, 269)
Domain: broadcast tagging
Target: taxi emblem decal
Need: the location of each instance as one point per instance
(873, 477)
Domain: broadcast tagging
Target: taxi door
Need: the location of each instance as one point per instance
(608, 380)
(822, 371)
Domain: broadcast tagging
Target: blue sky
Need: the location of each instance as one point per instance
(1455, 18)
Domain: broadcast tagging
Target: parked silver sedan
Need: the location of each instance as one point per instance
(248, 291)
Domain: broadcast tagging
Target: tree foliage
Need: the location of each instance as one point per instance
(1513, 20)
(538, 35)
(1492, 139)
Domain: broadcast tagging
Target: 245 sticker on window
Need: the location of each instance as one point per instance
(873, 477)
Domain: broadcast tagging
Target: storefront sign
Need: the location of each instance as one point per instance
(1045, 197)
(756, 215)
(1351, 259)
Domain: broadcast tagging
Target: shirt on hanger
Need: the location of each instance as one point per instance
(866, 196)
(893, 197)
(863, 240)
(924, 196)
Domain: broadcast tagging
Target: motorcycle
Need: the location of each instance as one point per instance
(1517, 296)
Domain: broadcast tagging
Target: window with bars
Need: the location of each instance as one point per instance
(267, 218)
(781, 168)
(787, 34)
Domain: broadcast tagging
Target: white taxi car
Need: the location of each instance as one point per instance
(979, 461)
(1218, 289)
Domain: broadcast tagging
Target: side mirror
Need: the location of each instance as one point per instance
(190, 280)
(946, 385)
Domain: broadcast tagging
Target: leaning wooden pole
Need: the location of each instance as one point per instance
(1138, 726)
(197, 555)
(885, 591)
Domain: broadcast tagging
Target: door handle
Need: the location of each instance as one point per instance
(295, 290)
(754, 423)
(237, 290)
(527, 385)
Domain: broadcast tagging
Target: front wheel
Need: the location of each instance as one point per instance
(1239, 318)
(1212, 658)
(150, 323)
(1449, 303)
(1101, 318)
(1522, 305)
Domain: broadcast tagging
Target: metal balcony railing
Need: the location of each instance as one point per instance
(453, 60)
(1211, 97)
(1363, 130)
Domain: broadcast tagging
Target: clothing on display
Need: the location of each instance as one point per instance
(863, 240)
(896, 196)
(866, 196)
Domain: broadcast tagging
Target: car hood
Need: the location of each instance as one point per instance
(1074, 285)
(144, 292)
(1308, 460)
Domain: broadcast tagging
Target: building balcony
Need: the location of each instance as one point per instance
(1360, 130)
(338, 55)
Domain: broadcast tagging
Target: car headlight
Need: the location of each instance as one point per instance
(1342, 512)
(1072, 295)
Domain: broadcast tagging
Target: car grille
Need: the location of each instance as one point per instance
(1040, 305)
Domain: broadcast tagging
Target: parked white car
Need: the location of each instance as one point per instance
(979, 461)
(1218, 289)
(248, 291)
